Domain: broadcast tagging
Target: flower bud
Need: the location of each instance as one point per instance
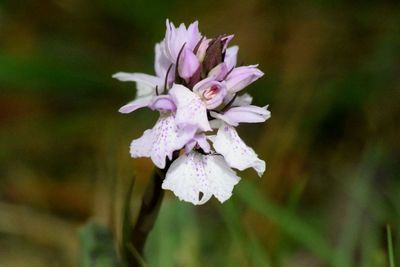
(188, 64)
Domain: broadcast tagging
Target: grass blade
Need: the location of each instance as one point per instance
(390, 246)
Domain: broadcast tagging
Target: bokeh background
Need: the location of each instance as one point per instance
(332, 144)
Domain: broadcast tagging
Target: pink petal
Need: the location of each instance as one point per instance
(188, 64)
(246, 114)
(241, 77)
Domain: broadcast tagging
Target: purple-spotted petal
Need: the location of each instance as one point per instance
(190, 109)
(195, 178)
(159, 142)
(236, 152)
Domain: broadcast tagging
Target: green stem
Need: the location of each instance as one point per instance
(151, 203)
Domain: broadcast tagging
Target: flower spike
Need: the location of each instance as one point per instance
(196, 92)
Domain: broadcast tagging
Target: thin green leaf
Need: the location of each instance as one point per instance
(390, 246)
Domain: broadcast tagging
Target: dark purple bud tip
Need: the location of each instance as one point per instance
(214, 54)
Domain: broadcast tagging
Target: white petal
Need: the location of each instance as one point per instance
(236, 152)
(215, 124)
(221, 118)
(231, 56)
(141, 78)
(187, 178)
(196, 177)
(244, 114)
(159, 142)
(190, 109)
(222, 178)
(243, 100)
(142, 146)
(135, 104)
(144, 90)
(161, 63)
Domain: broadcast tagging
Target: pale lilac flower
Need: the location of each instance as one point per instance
(195, 90)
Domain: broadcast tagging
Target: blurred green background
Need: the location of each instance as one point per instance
(332, 144)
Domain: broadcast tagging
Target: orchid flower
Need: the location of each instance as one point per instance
(196, 90)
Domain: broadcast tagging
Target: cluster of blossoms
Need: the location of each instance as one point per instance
(196, 91)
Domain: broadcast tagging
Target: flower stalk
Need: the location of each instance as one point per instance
(148, 213)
